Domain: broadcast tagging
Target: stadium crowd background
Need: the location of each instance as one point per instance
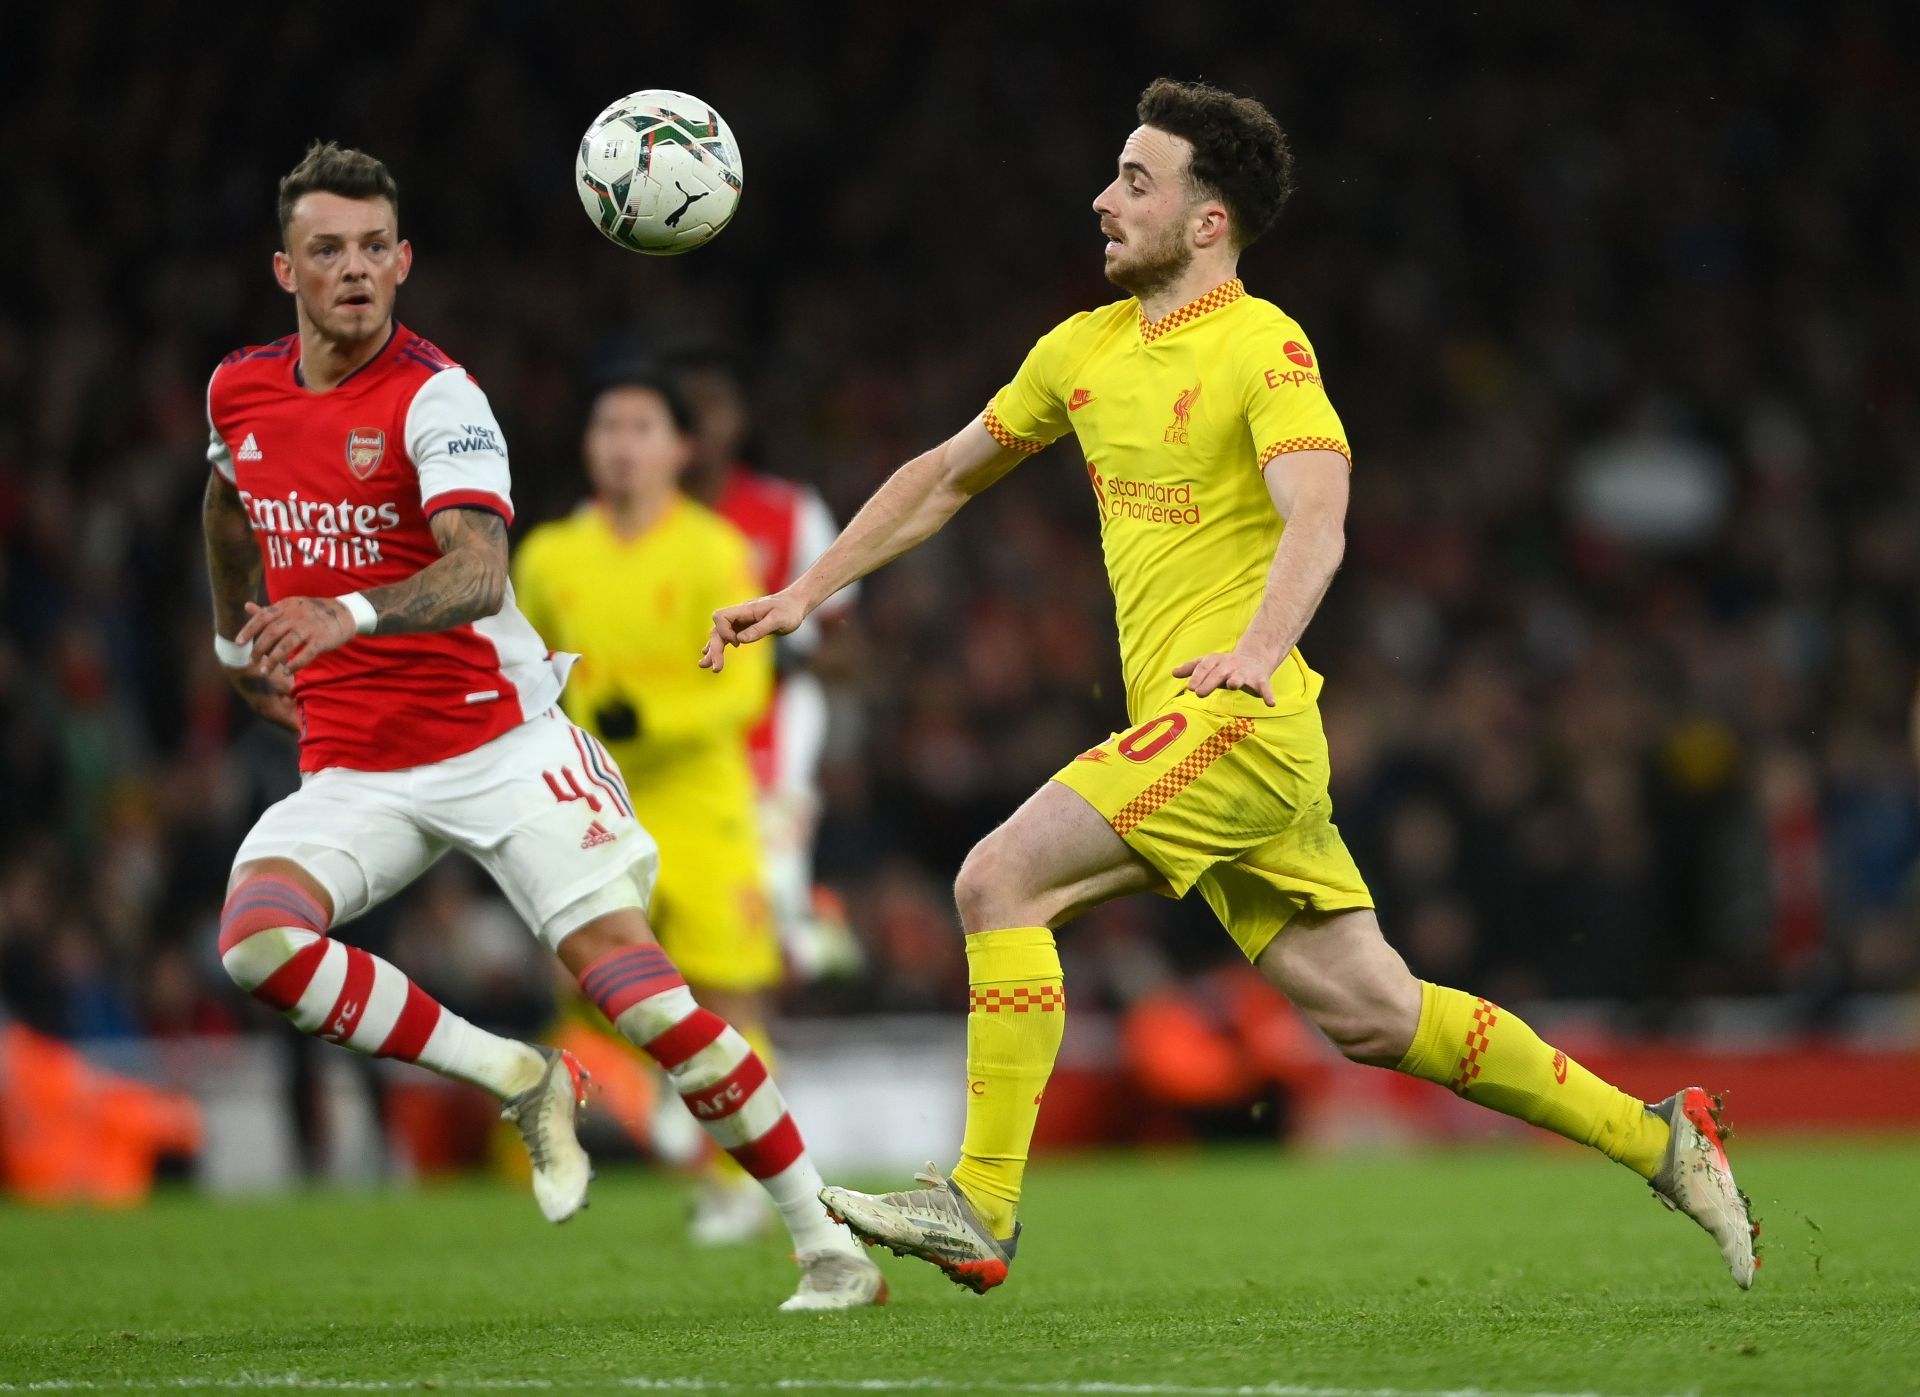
(1619, 308)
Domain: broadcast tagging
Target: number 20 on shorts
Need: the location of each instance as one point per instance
(1150, 739)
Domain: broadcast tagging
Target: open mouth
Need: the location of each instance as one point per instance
(357, 299)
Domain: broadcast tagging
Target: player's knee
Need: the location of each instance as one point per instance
(983, 891)
(1362, 1037)
(1369, 1024)
(266, 922)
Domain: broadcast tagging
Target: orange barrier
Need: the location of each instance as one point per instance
(72, 1134)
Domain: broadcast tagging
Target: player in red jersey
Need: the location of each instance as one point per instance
(360, 477)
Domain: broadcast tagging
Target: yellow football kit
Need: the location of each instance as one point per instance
(1177, 419)
(637, 610)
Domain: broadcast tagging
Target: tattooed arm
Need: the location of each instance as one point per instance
(234, 573)
(467, 582)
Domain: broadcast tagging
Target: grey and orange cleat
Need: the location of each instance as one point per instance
(837, 1280)
(1696, 1179)
(935, 1223)
(546, 1113)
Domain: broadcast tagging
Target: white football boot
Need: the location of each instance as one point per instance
(837, 1280)
(1696, 1179)
(545, 1113)
(935, 1223)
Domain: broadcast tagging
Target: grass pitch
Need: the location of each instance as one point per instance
(1214, 1273)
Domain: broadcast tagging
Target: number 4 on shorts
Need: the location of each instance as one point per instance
(570, 790)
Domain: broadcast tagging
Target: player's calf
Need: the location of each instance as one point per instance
(274, 944)
(726, 1086)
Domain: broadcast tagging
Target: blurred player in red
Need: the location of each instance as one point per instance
(789, 526)
(360, 478)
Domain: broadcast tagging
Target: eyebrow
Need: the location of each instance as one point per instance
(1135, 167)
(368, 233)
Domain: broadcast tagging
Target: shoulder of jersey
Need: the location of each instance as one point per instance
(1101, 319)
(260, 355)
(771, 491)
(422, 356)
(1265, 313)
(696, 518)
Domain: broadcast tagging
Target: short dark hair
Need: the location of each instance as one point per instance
(648, 376)
(1240, 154)
(329, 168)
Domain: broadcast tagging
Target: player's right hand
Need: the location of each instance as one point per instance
(268, 691)
(779, 614)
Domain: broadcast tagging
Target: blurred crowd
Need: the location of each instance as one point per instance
(1619, 308)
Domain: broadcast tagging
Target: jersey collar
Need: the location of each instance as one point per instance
(1225, 294)
(397, 336)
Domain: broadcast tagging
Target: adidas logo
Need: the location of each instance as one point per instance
(249, 449)
(597, 834)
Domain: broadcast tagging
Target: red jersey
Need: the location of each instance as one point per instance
(789, 526)
(339, 487)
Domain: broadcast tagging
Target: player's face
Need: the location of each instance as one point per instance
(344, 262)
(1147, 211)
(633, 448)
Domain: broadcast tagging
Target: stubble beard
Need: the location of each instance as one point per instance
(1155, 268)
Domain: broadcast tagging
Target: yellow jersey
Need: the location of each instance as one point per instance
(1177, 419)
(637, 611)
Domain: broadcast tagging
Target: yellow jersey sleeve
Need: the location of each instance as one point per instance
(1283, 396)
(532, 585)
(1031, 412)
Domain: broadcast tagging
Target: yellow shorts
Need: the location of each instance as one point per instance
(1237, 807)
(710, 906)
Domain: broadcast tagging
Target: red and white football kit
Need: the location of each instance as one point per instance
(412, 744)
(789, 526)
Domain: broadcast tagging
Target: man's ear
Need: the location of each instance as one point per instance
(1211, 223)
(283, 272)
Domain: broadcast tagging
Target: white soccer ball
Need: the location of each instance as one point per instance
(659, 172)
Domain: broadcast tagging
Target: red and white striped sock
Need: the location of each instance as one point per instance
(273, 943)
(722, 1080)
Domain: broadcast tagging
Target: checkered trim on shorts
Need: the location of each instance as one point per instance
(1281, 448)
(1003, 434)
(1134, 813)
(1019, 999)
(1225, 294)
(1485, 1016)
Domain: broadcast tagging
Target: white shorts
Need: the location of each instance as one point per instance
(542, 808)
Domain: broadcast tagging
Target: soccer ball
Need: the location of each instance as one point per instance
(659, 172)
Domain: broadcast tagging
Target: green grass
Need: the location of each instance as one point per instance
(1535, 1271)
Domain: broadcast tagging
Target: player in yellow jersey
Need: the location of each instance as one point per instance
(1220, 473)
(629, 582)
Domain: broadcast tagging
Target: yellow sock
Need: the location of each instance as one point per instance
(721, 1167)
(1016, 1014)
(1489, 1056)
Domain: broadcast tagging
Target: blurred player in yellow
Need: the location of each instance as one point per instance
(629, 581)
(1219, 471)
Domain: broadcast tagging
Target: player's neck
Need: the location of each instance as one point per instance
(632, 515)
(325, 362)
(1200, 277)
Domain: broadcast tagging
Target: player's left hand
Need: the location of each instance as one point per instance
(296, 631)
(1231, 671)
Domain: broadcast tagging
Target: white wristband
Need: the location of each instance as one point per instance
(231, 653)
(358, 607)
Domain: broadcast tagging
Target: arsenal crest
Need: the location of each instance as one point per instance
(365, 447)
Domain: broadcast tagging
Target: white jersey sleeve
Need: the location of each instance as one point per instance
(457, 448)
(218, 456)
